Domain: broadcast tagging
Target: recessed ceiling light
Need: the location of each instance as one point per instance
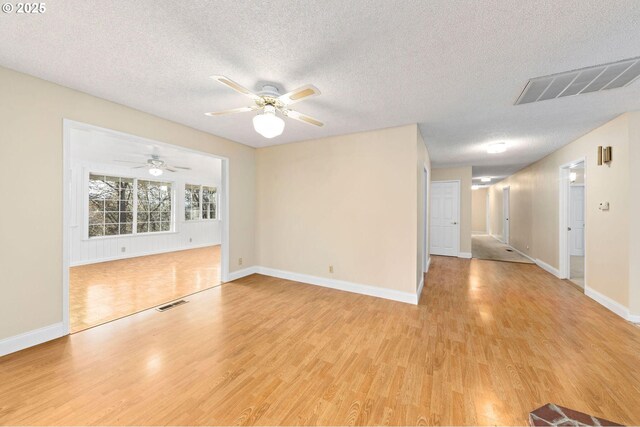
(485, 179)
(497, 147)
(475, 187)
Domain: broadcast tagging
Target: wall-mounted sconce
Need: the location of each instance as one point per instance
(605, 155)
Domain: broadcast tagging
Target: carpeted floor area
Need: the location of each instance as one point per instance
(484, 246)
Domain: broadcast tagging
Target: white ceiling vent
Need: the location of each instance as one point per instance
(585, 80)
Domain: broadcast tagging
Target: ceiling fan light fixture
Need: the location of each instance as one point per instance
(155, 171)
(485, 179)
(268, 124)
(497, 147)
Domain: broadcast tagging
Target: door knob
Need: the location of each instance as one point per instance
(569, 228)
(454, 223)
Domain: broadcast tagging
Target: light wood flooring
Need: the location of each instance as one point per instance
(99, 293)
(489, 342)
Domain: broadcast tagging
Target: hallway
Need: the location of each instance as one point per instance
(484, 246)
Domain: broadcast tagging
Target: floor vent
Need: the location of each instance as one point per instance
(584, 80)
(171, 305)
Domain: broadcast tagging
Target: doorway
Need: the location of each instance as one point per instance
(445, 218)
(506, 194)
(425, 225)
(145, 224)
(572, 222)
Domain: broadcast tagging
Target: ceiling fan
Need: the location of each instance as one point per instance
(268, 102)
(156, 165)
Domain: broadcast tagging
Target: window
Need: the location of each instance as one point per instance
(191, 202)
(110, 205)
(200, 202)
(209, 202)
(113, 212)
(154, 206)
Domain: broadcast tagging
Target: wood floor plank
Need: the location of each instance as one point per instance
(489, 342)
(105, 291)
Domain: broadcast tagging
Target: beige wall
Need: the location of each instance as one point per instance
(479, 210)
(535, 207)
(423, 161)
(347, 201)
(464, 174)
(31, 115)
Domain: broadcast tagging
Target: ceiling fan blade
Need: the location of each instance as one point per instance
(235, 86)
(300, 94)
(169, 169)
(302, 117)
(232, 111)
(139, 167)
(127, 161)
(180, 167)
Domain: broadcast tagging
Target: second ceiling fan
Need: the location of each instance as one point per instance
(268, 102)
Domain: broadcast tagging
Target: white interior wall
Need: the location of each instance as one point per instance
(185, 234)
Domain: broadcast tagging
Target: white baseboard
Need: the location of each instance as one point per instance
(465, 255)
(523, 254)
(138, 254)
(420, 286)
(31, 338)
(235, 275)
(612, 305)
(633, 318)
(543, 265)
(342, 285)
(426, 267)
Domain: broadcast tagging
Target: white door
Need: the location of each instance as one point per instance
(505, 215)
(445, 227)
(576, 221)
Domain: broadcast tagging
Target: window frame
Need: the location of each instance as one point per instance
(217, 203)
(134, 224)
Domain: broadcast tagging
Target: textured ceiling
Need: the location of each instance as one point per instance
(453, 67)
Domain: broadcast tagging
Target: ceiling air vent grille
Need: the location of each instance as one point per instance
(585, 80)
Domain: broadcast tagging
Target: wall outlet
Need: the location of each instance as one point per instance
(331, 269)
(239, 261)
(123, 249)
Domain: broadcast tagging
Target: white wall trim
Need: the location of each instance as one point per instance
(522, 253)
(543, 265)
(31, 338)
(374, 291)
(612, 305)
(498, 237)
(235, 275)
(140, 254)
(465, 255)
(426, 268)
(420, 286)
